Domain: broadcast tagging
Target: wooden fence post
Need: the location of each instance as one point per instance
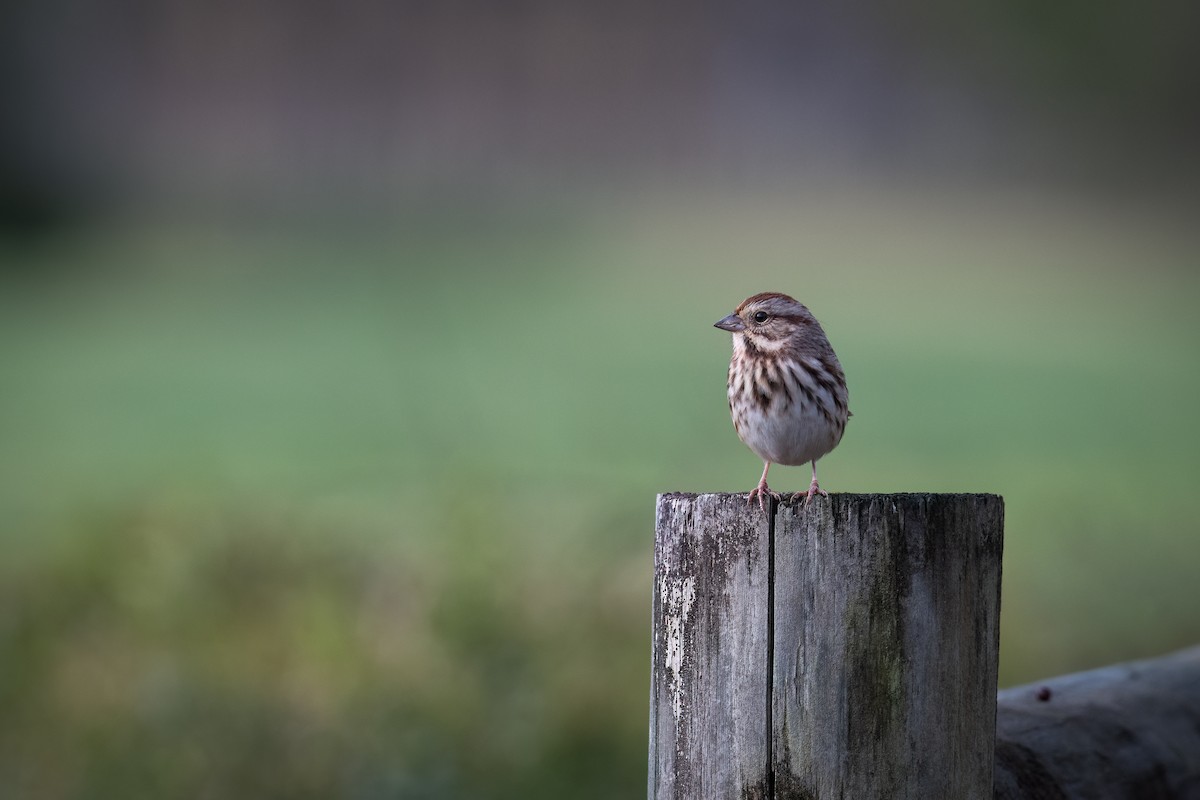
(844, 650)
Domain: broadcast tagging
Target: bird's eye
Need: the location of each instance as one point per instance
(761, 317)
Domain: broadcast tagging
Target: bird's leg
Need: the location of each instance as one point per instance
(813, 488)
(761, 490)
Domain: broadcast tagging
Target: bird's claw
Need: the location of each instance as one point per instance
(762, 492)
(813, 490)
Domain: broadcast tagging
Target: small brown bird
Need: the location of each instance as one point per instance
(787, 391)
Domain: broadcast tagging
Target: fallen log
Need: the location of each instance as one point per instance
(1124, 732)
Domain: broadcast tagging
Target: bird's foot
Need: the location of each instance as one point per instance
(762, 492)
(814, 490)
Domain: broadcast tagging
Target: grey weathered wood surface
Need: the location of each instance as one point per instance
(1125, 732)
(887, 613)
(844, 650)
(708, 702)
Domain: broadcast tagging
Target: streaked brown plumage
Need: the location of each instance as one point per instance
(787, 391)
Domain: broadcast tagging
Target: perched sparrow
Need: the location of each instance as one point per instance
(787, 391)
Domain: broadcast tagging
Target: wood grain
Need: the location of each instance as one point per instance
(886, 646)
(844, 650)
(708, 700)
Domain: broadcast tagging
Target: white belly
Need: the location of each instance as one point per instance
(798, 436)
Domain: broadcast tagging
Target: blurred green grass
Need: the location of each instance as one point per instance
(369, 513)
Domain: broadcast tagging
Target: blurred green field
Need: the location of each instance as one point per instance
(368, 513)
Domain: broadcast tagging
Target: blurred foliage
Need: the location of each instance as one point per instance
(192, 651)
(347, 513)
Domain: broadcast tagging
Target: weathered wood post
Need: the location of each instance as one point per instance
(844, 650)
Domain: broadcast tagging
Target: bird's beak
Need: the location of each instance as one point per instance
(733, 323)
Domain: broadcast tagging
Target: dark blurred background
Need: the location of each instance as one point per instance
(345, 347)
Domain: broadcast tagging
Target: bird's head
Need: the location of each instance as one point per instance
(767, 321)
